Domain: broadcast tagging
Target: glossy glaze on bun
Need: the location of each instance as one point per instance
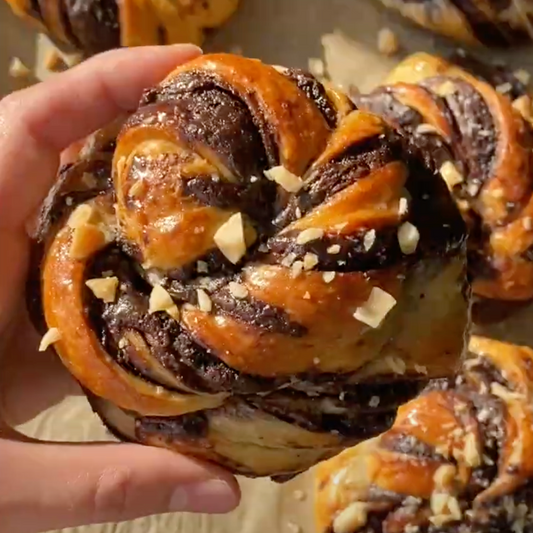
(251, 272)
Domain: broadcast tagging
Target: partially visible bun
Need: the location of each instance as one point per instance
(458, 458)
(93, 26)
(472, 124)
(473, 22)
(259, 277)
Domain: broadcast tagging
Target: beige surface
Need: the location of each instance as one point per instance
(283, 32)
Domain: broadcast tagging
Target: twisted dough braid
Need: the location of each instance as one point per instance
(474, 22)
(458, 458)
(93, 26)
(475, 135)
(260, 322)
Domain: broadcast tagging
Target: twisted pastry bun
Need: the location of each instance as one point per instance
(256, 265)
(473, 22)
(458, 458)
(478, 136)
(93, 26)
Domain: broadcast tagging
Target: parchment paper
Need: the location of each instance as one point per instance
(286, 32)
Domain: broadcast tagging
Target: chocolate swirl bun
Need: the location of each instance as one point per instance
(474, 22)
(458, 458)
(256, 264)
(93, 26)
(478, 136)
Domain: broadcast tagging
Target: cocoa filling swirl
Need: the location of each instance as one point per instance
(209, 115)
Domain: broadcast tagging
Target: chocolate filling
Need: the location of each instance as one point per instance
(315, 91)
(93, 24)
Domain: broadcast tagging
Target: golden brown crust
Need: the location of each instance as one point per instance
(252, 273)
(459, 457)
(490, 178)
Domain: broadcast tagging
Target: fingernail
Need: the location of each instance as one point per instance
(214, 496)
(189, 49)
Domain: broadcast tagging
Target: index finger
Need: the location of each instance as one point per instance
(36, 124)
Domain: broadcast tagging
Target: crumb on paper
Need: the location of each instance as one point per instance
(18, 70)
(388, 43)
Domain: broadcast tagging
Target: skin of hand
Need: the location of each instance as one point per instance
(46, 486)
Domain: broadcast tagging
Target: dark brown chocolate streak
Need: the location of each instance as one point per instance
(475, 136)
(254, 199)
(430, 148)
(315, 91)
(487, 31)
(257, 314)
(495, 75)
(354, 164)
(196, 86)
(352, 257)
(94, 24)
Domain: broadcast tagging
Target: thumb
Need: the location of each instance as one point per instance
(48, 486)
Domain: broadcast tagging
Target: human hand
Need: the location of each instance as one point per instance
(46, 486)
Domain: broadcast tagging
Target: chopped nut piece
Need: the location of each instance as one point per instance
(288, 260)
(50, 337)
(396, 364)
(504, 88)
(202, 267)
(388, 43)
(369, 239)
(471, 452)
(230, 238)
(421, 369)
(376, 308)
(403, 206)
(423, 129)
(297, 268)
(522, 76)
(237, 289)
(316, 67)
(289, 181)
(160, 300)
(204, 302)
(351, 519)
(17, 69)
(523, 105)
(309, 234)
(307, 296)
(444, 476)
(374, 401)
(334, 249)
(310, 261)
(328, 276)
(451, 175)
(446, 89)
(74, 59)
(408, 237)
(53, 61)
(104, 288)
(316, 361)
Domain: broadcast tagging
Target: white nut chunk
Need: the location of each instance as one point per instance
(230, 238)
(50, 337)
(104, 289)
(284, 178)
(376, 308)
(408, 237)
